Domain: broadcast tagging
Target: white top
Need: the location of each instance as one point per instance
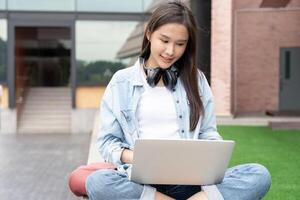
(156, 113)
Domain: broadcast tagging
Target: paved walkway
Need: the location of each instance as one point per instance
(35, 167)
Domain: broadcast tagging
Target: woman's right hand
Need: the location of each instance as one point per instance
(127, 156)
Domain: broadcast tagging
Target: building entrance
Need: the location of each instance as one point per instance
(42, 79)
(289, 99)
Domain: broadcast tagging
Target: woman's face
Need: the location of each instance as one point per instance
(168, 44)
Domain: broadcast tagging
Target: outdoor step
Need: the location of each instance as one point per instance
(46, 110)
(42, 113)
(50, 99)
(50, 125)
(45, 113)
(58, 102)
(46, 105)
(42, 130)
(288, 125)
(53, 118)
(44, 127)
(50, 122)
(45, 121)
(49, 93)
(49, 89)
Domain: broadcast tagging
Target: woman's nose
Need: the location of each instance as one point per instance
(170, 50)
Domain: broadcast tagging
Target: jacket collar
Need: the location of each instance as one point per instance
(137, 79)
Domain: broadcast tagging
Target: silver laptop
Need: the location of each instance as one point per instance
(180, 162)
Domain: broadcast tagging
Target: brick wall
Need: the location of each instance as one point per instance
(250, 4)
(259, 34)
(246, 41)
(221, 55)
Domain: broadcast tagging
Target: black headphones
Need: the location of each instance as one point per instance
(169, 75)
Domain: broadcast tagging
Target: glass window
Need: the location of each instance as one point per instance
(2, 4)
(3, 40)
(113, 5)
(44, 5)
(97, 46)
(78, 5)
(43, 56)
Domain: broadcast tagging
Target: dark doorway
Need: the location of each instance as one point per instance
(289, 95)
(42, 56)
(202, 12)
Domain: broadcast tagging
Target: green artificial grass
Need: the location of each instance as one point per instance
(278, 150)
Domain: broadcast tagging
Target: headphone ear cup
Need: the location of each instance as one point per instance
(166, 78)
(169, 79)
(153, 76)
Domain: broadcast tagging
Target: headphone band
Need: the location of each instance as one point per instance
(169, 75)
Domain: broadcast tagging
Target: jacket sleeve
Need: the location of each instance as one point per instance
(208, 128)
(110, 140)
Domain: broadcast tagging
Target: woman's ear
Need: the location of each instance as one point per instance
(148, 35)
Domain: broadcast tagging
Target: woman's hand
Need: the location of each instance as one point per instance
(127, 156)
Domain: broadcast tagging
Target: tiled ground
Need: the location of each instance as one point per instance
(36, 167)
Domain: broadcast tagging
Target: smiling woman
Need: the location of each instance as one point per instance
(133, 108)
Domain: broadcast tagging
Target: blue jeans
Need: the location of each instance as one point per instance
(242, 182)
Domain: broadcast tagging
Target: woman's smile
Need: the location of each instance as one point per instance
(166, 59)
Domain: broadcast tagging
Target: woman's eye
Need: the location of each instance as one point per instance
(180, 44)
(164, 41)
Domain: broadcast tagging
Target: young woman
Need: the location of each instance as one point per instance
(164, 95)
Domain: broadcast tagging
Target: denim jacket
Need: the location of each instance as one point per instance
(118, 121)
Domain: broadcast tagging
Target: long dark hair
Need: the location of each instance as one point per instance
(177, 12)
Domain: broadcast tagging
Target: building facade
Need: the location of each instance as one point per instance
(255, 57)
(57, 56)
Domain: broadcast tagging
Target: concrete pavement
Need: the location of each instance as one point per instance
(36, 166)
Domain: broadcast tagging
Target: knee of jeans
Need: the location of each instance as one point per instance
(264, 177)
(95, 184)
